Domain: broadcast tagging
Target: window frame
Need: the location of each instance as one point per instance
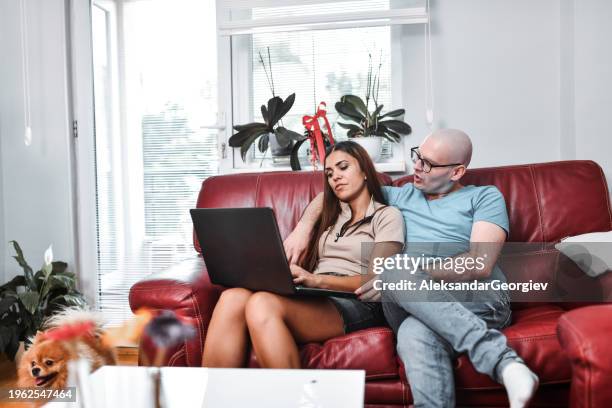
(237, 58)
(81, 71)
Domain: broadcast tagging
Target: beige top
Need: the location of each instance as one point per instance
(346, 250)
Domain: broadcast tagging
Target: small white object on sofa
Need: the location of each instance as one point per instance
(591, 252)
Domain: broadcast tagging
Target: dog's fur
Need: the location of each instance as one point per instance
(45, 363)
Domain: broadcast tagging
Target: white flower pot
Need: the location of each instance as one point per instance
(372, 144)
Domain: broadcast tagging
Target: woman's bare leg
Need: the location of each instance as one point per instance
(227, 339)
(276, 323)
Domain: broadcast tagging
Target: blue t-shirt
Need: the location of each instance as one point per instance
(449, 218)
(443, 227)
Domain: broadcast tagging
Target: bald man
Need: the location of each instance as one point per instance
(434, 327)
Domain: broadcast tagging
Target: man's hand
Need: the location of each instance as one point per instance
(296, 244)
(302, 277)
(367, 293)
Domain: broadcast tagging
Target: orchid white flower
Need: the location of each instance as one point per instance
(49, 255)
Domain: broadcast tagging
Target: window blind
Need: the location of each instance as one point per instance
(320, 65)
(305, 15)
(155, 95)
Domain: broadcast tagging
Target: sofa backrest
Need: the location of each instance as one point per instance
(549, 201)
(546, 202)
(287, 193)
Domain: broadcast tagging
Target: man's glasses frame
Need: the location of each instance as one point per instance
(415, 156)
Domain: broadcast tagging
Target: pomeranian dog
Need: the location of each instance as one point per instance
(45, 363)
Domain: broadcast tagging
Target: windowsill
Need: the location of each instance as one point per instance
(388, 167)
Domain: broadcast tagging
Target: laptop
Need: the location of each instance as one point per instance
(242, 247)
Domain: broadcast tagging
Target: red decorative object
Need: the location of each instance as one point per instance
(70, 331)
(315, 136)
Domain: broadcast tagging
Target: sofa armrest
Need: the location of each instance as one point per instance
(186, 289)
(584, 334)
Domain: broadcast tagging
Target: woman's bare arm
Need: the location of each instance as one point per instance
(347, 283)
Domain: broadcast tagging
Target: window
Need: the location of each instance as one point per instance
(318, 49)
(320, 66)
(155, 85)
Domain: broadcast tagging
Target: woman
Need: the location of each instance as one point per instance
(354, 212)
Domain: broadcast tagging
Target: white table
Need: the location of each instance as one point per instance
(184, 387)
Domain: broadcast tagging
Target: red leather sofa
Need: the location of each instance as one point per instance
(569, 345)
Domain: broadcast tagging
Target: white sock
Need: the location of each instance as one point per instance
(520, 382)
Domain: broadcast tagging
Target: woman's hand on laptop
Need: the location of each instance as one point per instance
(302, 277)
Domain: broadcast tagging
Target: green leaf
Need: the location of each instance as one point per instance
(59, 267)
(18, 280)
(349, 126)
(294, 158)
(7, 301)
(285, 107)
(274, 106)
(348, 111)
(263, 142)
(285, 136)
(30, 301)
(264, 115)
(240, 138)
(354, 133)
(393, 113)
(248, 142)
(390, 135)
(40, 279)
(27, 270)
(58, 281)
(376, 112)
(75, 299)
(397, 126)
(356, 102)
(9, 341)
(240, 128)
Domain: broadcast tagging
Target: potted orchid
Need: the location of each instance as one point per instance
(368, 126)
(271, 132)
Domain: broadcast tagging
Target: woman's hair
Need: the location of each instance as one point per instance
(331, 203)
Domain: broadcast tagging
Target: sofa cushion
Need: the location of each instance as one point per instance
(533, 336)
(372, 350)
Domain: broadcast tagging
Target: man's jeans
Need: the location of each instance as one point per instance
(432, 332)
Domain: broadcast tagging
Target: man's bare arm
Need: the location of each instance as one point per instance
(366, 291)
(296, 243)
(486, 242)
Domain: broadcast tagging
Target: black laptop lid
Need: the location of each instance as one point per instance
(242, 247)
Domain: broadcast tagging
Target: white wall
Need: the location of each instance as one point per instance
(496, 76)
(3, 242)
(593, 82)
(528, 80)
(35, 180)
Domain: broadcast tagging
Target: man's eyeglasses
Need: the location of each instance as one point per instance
(426, 164)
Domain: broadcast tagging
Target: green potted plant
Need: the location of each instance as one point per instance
(28, 299)
(369, 127)
(272, 114)
(269, 133)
